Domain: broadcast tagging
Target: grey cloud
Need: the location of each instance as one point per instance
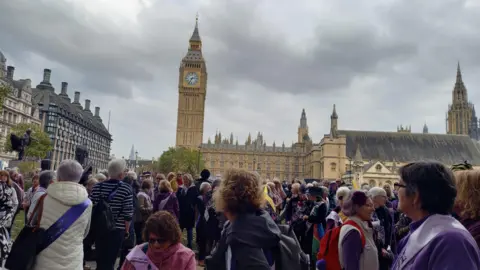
(381, 65)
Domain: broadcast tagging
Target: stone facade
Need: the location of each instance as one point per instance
(70, 125)
(461, 116)
(17, 108)
(192, 92)
(359, 157)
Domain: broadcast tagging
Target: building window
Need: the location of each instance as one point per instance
(378, 168)
(333, 166)
(212, 164)
(222, 164)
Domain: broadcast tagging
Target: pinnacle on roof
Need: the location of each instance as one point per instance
(334, 113)
(425, 128)
(459, 73)
(358, 155)
(195, 35)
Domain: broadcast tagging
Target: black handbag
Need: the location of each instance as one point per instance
(26, 246)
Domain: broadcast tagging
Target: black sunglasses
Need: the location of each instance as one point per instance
(153, 241)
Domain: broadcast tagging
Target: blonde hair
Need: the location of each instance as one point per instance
(239, 192)
(164, 186)
(468, 193)
(170, 176)
(187, 177)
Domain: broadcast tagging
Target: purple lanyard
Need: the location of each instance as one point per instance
(63, 223)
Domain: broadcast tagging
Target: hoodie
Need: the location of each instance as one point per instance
(248, 237)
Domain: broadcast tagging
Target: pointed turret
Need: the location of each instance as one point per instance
(132, 153)
(425, 128)
(231, 138)
(460, 95)
(249, 139)
(303, 120)
(209, 141)
(358, 156)
(196, 34)
(333, 123)
(459, 73)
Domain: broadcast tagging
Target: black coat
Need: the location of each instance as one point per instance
(186, 201)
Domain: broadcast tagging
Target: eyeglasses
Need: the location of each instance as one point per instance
(159, 241)
(401, 186)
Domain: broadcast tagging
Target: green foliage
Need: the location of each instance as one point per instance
(5, 90)
(27, 167)
(180, 160)
(39, 147)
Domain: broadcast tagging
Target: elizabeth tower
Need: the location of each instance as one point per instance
(192, 92)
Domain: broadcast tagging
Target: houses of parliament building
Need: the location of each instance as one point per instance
(369, 157)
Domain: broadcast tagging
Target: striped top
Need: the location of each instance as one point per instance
(121, 203)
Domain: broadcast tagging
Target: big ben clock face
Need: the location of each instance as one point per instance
(191, 78)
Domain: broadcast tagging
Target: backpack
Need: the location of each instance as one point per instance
(288, 254)
(328, 253)
(103, 220)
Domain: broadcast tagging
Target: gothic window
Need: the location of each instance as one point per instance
(222, 164)
(372, 183)
(240, 165)
(333, 166)
(378, 168)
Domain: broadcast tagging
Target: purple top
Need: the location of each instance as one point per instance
(170, 206)
(352, 250)
(449, 250)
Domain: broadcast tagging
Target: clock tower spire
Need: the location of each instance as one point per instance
(192, 93)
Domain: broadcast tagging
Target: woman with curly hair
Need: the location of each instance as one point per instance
(163, 249)
(8, 206)
(250, 232)
(467, 203)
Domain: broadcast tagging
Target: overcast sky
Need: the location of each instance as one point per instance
(382, 62)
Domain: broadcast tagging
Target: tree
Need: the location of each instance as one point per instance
(40, 144)
(5, 90)
(180, 160)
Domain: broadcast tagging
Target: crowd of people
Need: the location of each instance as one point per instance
(429, 219)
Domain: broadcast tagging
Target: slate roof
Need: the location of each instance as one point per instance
(193, 55)
(408, 147)
(196, 34)
(75, 112)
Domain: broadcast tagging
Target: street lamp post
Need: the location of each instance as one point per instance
(198, 159)
(136, 158)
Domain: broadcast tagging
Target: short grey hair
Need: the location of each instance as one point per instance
(45, 178)
(100, 177)
(69, 170)
(132, 175)
(325, 190)
(342, 193)
(377, 191)
(203, 186)
(104, 172)
(116, 168)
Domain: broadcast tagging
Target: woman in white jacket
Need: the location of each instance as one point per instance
(67, 251)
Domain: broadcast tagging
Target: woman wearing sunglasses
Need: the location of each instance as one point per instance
(163, 249)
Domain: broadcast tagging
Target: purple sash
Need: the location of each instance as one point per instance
(63, 223)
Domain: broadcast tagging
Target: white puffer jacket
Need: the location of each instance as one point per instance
(67, 251)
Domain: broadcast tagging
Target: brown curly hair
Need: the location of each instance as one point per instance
(239, 192)
(468, 193)
(9, 179)
(164, 225)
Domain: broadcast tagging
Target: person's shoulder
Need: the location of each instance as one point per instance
(185, 252)
(455, 243)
